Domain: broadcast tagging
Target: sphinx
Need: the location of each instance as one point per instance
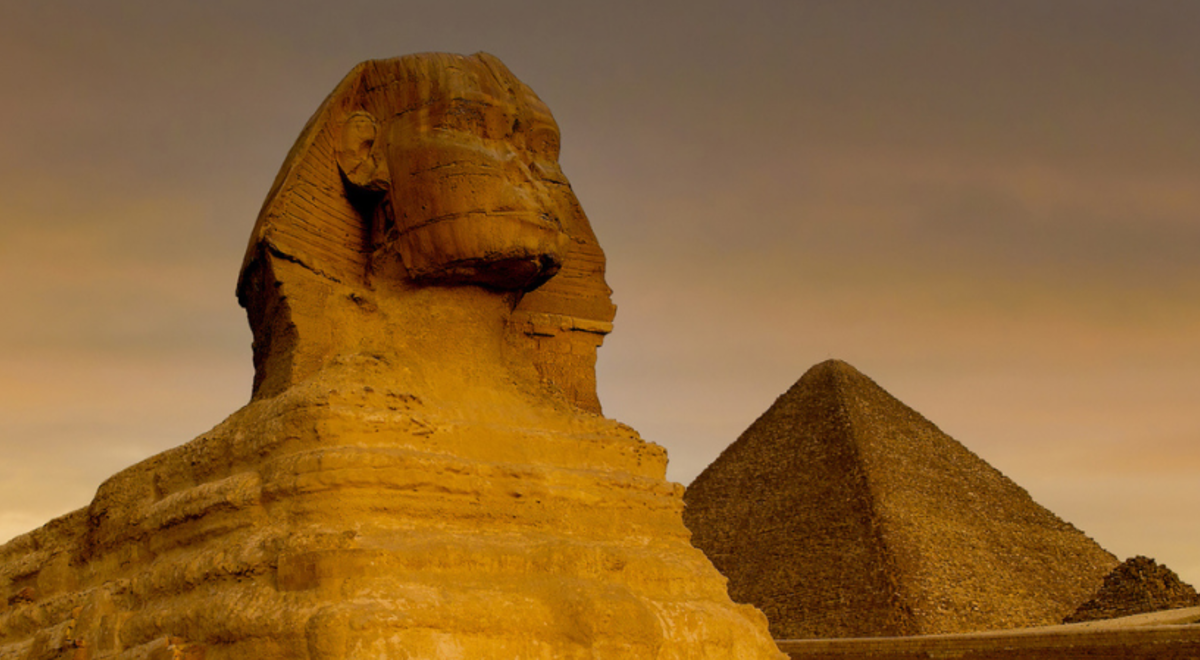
(423, 469)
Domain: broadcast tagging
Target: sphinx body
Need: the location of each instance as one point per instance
(423, 470)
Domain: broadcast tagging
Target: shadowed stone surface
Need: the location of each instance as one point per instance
(422, 471)
(1137, 585)
(841, 512)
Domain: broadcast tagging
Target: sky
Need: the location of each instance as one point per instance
(991, 208)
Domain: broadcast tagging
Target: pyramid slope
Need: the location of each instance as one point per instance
(842, 512)
(757, 510)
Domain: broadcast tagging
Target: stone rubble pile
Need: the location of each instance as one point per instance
(1138, 585)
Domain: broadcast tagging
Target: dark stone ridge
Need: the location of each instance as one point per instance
(842, 512)
(1138, 585)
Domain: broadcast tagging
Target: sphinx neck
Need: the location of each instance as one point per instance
(446, 344)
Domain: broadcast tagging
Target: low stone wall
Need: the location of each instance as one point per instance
(1131, 638)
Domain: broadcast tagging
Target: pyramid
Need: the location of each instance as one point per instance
(842, 512)
(1137, 586)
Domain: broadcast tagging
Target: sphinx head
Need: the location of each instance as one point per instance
(461, 177)
(426, 180)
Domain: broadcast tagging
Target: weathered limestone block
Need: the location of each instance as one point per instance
(422, 471)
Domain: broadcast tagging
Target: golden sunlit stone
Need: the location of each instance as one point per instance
(423, 470)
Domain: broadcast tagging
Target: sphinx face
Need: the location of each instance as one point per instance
(476, 192)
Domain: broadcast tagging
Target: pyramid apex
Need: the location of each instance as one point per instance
(833, 366)
(834, 375)
(833, 363)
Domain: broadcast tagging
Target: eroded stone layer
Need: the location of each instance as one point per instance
(345, 520)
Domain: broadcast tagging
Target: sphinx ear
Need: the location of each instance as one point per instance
(360, 155)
